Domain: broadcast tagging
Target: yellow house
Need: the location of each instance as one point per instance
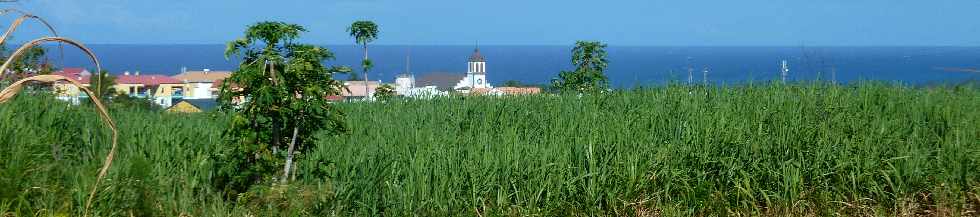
(67, 91)
(161, 89)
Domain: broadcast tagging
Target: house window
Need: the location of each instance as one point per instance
(479, 81)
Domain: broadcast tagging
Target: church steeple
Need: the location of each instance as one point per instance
(476, 73)
(476, 57)
(477, 64)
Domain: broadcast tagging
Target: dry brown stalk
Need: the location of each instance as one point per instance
(35, 42)
(9, 92)
(19, 20)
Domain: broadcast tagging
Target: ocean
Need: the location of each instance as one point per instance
(629, 66)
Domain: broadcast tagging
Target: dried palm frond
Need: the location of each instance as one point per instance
(24, 16)
(16, 87)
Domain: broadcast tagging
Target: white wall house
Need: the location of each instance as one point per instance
(404, 83)
(202, 90)
(426, 92)
(202, 84)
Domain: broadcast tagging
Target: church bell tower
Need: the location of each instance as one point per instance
(477, 72)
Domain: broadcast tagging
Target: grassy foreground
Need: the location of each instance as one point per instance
(863, 150)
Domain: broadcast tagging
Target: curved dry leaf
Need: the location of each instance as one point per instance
(16, 87)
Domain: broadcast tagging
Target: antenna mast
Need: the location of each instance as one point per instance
(408, 68)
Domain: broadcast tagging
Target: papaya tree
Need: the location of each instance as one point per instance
(589, 59)
(277, 100)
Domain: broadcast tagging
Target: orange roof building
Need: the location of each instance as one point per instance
(355, 89)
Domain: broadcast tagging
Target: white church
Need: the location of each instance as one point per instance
(439, 83)
(476, 74)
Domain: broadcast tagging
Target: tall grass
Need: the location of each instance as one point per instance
(813, 149)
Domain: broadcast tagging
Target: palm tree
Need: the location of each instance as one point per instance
(103, 83)
(363, 33)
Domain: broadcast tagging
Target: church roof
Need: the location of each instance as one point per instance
(442, 81)
(476, 57)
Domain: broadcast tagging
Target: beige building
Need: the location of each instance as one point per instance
(203, 84)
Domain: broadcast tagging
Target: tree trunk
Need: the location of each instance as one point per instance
(367, 91)
(293, 173)
(272, 73)
(276, 122)
(289, 156)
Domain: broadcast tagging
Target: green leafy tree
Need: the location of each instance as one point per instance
(385, 92)
(589, 59)
(364, 32)
(32, 62)
(277, 97)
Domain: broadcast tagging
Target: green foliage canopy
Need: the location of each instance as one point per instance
(363, 31)
(385, 92)
(277, 98)
(103, 83)
(589, 59)
(32, 62)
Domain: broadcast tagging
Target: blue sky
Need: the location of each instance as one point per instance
(525, 22)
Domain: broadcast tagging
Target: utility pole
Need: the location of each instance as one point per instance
(784, 71)
(690, 72)
(704, 75)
